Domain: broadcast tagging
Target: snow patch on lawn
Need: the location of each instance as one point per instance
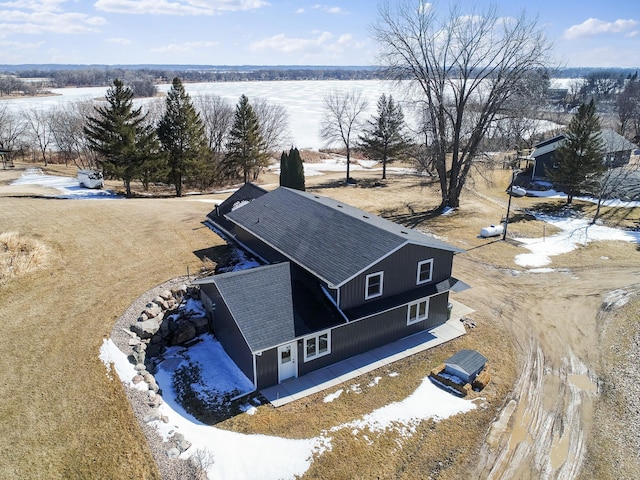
(575, 232)
(68, 187)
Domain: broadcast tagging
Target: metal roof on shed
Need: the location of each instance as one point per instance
(331, 239)
(467, 361)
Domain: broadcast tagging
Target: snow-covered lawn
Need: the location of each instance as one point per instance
(239, 456)
(67, 186)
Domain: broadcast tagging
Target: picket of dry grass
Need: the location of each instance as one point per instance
(20, 255)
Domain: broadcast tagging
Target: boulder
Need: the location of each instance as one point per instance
(184, 445)
(154, 350)
(161, 302)
(185, 333)
(152, 416)
(145, 329)
(201, 324)
(152, 310)
(166, 295)
(139, 357)
(173, 453)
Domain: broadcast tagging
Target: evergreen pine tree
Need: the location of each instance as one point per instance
(182, 135)
(246, 149)
(579, 161)
(384, 138)
(284, 170)
(118, 133)
(292, 170)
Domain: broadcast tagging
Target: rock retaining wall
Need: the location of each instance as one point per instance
(162, 323)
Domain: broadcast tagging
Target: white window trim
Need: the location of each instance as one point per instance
(316, 337)
(366, 285)
(418, 318)
(423, 262)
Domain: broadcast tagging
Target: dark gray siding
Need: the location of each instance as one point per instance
(400, 270)
(363, 335)
(266, 252)
(267, 368)
(542, 164)
(228, 334)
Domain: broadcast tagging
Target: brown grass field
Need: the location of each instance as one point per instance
(62, 417)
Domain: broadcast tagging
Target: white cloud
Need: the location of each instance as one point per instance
(594, 26)
(328, 9)
(119, 41)
(300, 10)
(186, 47)
(35, 5)
(321, 44)
(44, 16)
(284, 44)
(178, 7)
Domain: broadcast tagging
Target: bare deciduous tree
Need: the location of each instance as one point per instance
(12, 129)
(274, 124)
(38, 125)
(67, 122)
(217, 115)
(464, 68)
(339, 125)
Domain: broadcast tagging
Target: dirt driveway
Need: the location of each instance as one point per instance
(556, 318)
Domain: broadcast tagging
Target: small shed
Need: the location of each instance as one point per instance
(465, 364)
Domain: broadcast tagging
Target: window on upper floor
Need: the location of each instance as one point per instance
(425, 271)
(317, 345)
(373, 286)
(417, 311)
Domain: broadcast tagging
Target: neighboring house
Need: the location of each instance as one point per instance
(618, 152)
(336, 282)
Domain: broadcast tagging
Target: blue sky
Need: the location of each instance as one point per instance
(276, 32)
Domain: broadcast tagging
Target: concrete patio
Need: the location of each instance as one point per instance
(333, 375)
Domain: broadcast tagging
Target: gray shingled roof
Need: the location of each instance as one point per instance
(247, 193)
(613, 142)
(468, 361)
(260, 301)
(329, 238)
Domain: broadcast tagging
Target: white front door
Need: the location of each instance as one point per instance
(287, 359)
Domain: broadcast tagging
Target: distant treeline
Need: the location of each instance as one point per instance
(93, 76)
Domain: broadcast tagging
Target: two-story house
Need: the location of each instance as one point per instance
(336, 282)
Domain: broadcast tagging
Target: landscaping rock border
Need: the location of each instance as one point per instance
(145, 403)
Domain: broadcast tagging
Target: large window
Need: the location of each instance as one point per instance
(418, 311)
(425, 271)
(373, 287)
(317, 345)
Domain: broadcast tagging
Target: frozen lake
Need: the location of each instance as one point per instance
(303, 100)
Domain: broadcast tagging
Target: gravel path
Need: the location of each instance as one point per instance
(170, 469)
